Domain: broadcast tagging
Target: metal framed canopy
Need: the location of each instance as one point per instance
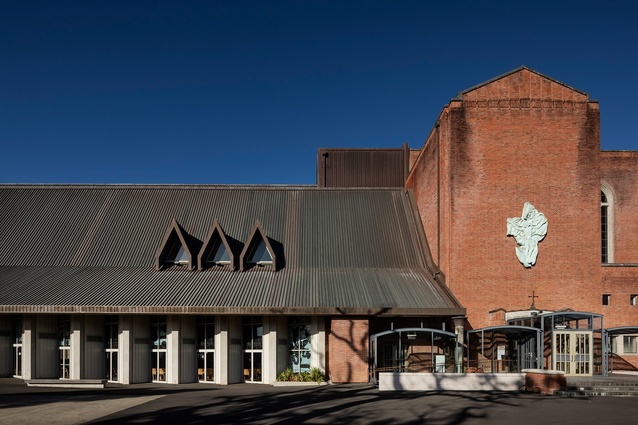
(511, 332)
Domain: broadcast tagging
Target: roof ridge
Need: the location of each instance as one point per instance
(161, 186)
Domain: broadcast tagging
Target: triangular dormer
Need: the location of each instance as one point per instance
(174, 249)
(258, 251)
(216, 251)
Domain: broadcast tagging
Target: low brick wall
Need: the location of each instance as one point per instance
(544, 381)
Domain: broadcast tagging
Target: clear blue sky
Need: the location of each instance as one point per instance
(246, 92)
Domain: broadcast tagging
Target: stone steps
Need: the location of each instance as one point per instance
(600, 389)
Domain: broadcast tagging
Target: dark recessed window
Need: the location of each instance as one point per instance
(259, 253)
(218, 254)
(604, 227)
(630, 344)
(606, 299)
(633, 299)
(177, 254)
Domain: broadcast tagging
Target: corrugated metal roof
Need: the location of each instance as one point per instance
(90, 248)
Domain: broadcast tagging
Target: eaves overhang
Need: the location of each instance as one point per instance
(237, 310)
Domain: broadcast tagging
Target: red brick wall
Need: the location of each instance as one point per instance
(621, 282)
(423, 181)
(544, 383)
(619, 172)
(522, 138)
(348, 349)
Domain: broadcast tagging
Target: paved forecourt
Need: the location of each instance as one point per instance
(331, 404)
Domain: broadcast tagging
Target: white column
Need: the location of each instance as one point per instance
(124, 356)
(77, 347)
(172, 349)
(221, 350)
(269, 360)
(28, 346)
(318, 343)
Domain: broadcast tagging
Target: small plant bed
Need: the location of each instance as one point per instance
(313, 377)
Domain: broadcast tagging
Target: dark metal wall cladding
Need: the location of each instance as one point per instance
(362, 167)
(95, 245)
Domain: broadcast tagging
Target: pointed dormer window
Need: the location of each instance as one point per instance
(258, 250)
(177, 254)
(174, 250)
(218, 254)
(259, 254)
(216, 251)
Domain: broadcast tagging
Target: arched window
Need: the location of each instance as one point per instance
(606, 225)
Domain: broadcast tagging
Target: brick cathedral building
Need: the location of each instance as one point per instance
(505, 242)
(520, 137)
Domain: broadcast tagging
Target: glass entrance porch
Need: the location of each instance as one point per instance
(413, 350)
(573, 342)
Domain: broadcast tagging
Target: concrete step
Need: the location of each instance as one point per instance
(602, 388)
(604, 384)
(67, 383)
(597, 393)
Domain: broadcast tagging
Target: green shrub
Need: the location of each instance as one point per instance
(286, 376)
(314, 375)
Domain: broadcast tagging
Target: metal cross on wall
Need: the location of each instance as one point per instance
(533, 296)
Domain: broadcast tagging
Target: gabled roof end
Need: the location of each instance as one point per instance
(460, 94)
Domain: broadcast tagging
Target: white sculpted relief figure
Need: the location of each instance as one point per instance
(528, 231)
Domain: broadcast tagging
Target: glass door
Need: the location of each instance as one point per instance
(158, 349)
(206, 349)
(17, 347)
(64, 346)
(573, 352)
(526, 354)
(253, 348)
(110, 347)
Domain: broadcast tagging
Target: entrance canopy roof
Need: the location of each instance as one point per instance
(506, 330)
(622, 330)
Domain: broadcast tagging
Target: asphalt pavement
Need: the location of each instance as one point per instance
(331, 404)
